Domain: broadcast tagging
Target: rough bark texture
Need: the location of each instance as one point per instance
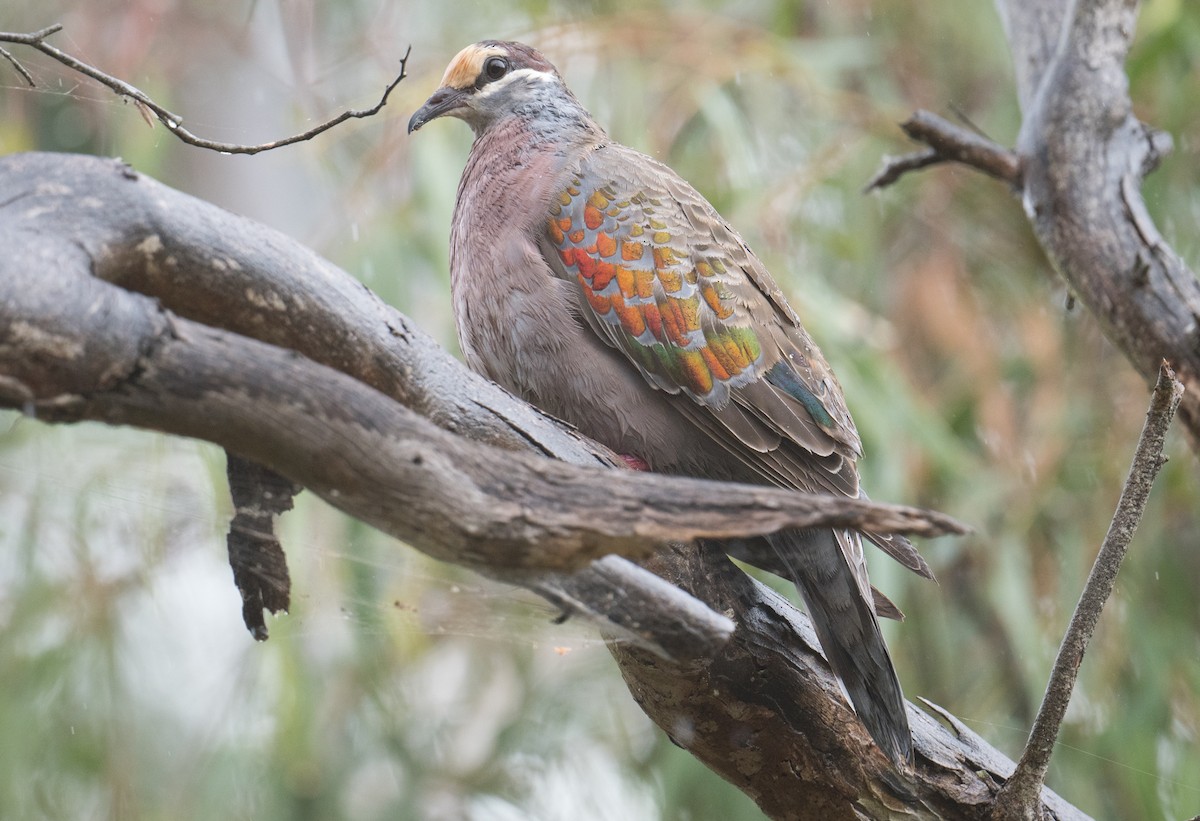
(79, 345)
(1085, 155)
(129, 303)
(768, 716)
(259, 564)
(1078, 166)
(1081, 156)
(745, 693)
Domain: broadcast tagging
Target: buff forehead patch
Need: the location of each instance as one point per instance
(466, 65)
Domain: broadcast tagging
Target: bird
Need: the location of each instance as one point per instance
(598, 285)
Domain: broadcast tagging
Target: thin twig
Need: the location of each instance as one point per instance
(20, 68)
(1020, 798)
(173, 121)
(893, 168)
(948, 143)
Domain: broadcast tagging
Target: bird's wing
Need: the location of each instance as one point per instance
(666, 281)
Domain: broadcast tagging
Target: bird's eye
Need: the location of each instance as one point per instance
(495, 68)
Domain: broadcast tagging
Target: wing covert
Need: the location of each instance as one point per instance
(666, 281)
(658, 297)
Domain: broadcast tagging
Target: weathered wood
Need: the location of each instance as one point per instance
(767, 714)
(256, 555)
(1080, 159)
(96, 351)
(1085, 155)
(83, 232)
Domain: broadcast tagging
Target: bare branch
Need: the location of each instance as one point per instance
(964, 145)
(20, 68)
(172, 121)
(948, 143)
(201, 262)
(467, 503)
(1019, 799)
(813, 760)
(733, 667)
(893, 168)
(659, 508)
(1086, 155)
(1080, 160)
(224, 271)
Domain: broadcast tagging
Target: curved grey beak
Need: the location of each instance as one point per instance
(443, 101)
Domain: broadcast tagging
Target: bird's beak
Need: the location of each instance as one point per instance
(445, 100)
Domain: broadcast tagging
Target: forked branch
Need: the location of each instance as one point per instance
(1080, 159)
(174, 122)
(947, 142)
(731, 663)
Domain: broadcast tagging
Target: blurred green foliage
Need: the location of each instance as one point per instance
(399, 688)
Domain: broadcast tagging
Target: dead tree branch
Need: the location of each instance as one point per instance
(174, 122)
(137, 364)
(214, 269)
(1080, 159)
(172, 284)
(800, 753)
(947, 143)
(1019, 797)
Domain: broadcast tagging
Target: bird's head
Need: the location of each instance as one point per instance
(488, 80)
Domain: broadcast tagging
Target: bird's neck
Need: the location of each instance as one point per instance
(544, 112)
(560, 130)
(514, 168)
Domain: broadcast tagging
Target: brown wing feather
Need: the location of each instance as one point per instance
(665, 280)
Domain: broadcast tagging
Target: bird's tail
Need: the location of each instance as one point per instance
(827, 567)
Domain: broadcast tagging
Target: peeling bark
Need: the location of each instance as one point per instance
(200, 323)
(1078, 166)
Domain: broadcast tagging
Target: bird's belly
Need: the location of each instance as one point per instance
(571, 374)
(523, 331)
(614, 405)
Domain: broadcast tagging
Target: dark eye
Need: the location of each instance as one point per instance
(495, 68)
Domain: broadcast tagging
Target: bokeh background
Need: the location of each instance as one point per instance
(402, 688)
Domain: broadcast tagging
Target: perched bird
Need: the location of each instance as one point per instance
(594, 282)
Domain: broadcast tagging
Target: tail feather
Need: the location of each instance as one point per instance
(827, 568)
(903, 551)
(762, 554)
(885, 608)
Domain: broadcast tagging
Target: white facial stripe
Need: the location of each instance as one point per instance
(511, 77)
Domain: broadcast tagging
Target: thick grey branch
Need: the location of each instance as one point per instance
(1085, 155)
(109, 355)
(1080, 160)
(158, 353)
(798, 749)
